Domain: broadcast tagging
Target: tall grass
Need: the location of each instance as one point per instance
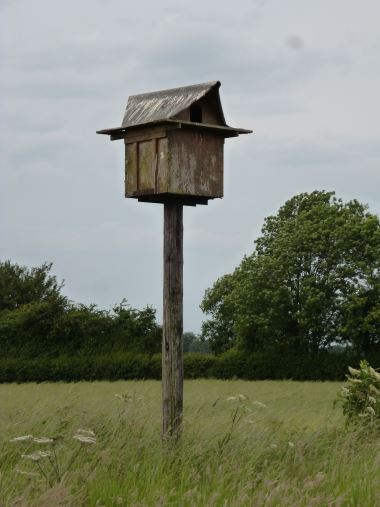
(244, 444)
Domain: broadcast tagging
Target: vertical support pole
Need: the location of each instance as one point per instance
(172, 356)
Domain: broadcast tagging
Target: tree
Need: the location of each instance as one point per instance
(313, 280)
(217, 302)
(30, 304)
(20, 285)
(187, 339)
(36, 319)
(193, 343)
(138, 329)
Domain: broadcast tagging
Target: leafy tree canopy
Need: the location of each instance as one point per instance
(312, 280)
(36, 319)
(20, 285)
(193, 343)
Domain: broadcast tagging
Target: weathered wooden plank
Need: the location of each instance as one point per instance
(130, 169)
(144, 135)
(147, 165)
(172, 357)
(162, 166)
(195, 163)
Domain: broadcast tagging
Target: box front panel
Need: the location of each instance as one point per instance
(195, 163)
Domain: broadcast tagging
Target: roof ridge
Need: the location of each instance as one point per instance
(209, 84)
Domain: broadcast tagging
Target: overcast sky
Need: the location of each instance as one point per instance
(303, 75)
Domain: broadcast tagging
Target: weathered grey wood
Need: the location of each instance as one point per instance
(172, 357)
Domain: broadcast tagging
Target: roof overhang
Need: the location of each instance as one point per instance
(223, 131)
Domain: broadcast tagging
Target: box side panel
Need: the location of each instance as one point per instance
(130, 169)
(195, 163)
(146, 166)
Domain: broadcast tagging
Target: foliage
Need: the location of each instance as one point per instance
(193, 343)
(44, 455)
(313, 280)
(136, 366)
(218, 303)
(37, 320)
(361, 395)
(20, 286)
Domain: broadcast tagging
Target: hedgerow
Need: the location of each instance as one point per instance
(128, 366)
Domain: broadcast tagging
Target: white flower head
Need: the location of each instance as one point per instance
(29, 474)
(290, 444)
(259, 404)
(43, 440)
(124, 397)
(370, 410)
(232, 398)
(84, 439)
(373, 389)
(87, 433)
(353, 371)
(22, 438)
(36, 456)
(372, 400)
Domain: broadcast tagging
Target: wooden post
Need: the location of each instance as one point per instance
(172, 356)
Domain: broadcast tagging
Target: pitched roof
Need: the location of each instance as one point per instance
(165, 104)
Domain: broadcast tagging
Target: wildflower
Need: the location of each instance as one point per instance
(373, 389)
(259, 404)
(124, 397)
(36, 456)
(370, 410)
(232, 398)
(29, 474)
(21, 439)
(374, 373)
(290, 444)
(353, 371)
(85, 439)
(371, 400)
(344, 391)
(43, 440)
(87, 433)
(354, 380)
(242, 397)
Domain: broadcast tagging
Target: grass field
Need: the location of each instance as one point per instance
(244, 444)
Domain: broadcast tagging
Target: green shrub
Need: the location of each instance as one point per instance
(37, 320)
(126, 366)
(361, 395)
(198, 365)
